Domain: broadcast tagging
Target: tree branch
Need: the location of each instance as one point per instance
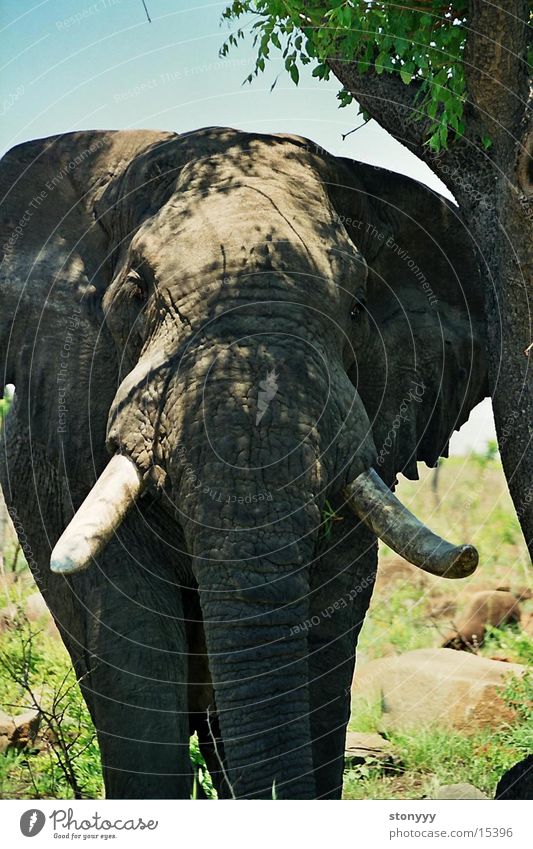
(387, 99)
(495, 64)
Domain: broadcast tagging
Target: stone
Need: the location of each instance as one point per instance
(393, 570)
(35, 607)
(437, 687)
(19, 731)
(523, 593)
(7, 726)
(491, 607)
(7, 616)
(36, 610)
(458, 791)
(26, 728)
(527, 624)
(442, 606)
(364, 747)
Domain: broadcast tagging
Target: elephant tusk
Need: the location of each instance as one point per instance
(102, 512)
(379, 509)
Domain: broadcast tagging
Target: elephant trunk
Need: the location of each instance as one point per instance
(254, 612)
(248, 473)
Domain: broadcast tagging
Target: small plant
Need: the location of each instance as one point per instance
(486, 457)
(4, 407)
(518, 693)
(202, 784)
(329, 515)
(66, 728)
(5, 404)
(514, 642)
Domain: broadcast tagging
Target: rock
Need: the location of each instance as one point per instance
(523, 593)
(19, 731)
(442, 606)
(437, 687)
(365, 747)
(527, 624)
(458, 791)
(491, 607)
(26, 728)
(7, 616)
(7, 726)
(517, 782)
(392, 570)
(35, 608)
(502, 658)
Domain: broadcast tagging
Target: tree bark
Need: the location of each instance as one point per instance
(494, 190)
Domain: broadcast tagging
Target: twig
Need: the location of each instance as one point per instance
(217, 753)
(146, 10)
(32, 779)
(61, 746)
(345, 135)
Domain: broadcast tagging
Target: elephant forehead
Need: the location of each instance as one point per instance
(243, 225)
(260, 159)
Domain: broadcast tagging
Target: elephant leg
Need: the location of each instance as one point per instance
(342, 583)
(136, 683)
(122, 624)
(202, 711)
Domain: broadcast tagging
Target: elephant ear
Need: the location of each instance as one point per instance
(54, 254)
(424, 367)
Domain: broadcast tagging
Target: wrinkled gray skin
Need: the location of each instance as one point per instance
(223, 604)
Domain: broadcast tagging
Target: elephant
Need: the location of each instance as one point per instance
(226, 346)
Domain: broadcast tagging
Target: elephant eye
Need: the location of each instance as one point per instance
(137, 285)
(358, 308)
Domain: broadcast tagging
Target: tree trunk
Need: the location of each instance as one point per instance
(3, 526)
(494, 190)
(504, 236)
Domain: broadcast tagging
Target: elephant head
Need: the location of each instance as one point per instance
(250, 326)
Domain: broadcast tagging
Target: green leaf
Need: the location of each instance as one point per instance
(345, 16)
(345, 98)
(295, 75)
(320, 71)
(380, 62)
(434, 141)
(432, 108)
(427, 47)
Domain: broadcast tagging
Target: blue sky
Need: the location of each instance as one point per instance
(79, 64)
(74, 64)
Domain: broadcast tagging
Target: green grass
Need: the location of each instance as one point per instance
(434, 756)
(35, 669)
(474, 507)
